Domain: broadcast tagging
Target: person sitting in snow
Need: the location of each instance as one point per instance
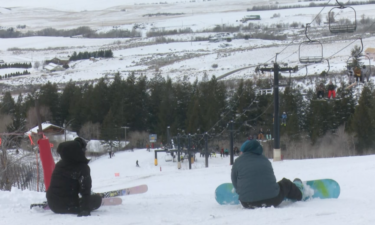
(71, 177)
(254, 180)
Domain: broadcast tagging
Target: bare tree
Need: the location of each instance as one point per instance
(138, 139)
(5, 121)
(90, 130)
(318, 19)
(32, 120)
(36, 64)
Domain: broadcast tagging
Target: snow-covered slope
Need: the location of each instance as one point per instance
(187, 196)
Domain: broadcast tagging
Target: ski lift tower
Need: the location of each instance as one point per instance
(276, 69)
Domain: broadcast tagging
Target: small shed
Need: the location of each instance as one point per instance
(60, 60)
(47, 128)
(51, 67)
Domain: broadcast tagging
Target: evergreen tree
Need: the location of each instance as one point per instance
(19, 116)
(212, 101)
(67, 99)
(362, 123)
(80, 110)
(244, 104)
(156, 85)
(7, 104)
(141, 107)
(292, 104)
(183, 91)
(194, 118)
(117, 91)
(49, 97)
(108, 131)
(318, 119)
(343, 109)
(98, 102)
(167, 110)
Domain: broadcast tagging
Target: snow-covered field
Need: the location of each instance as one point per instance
(187, 196)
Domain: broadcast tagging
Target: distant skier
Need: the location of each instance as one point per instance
(226, 151)
(236, 150)
(261, 134)
(70, 178)
(136, 163)
(110, 154)
(283, 119)
(268, 134)
(331, 90)
(254, 180)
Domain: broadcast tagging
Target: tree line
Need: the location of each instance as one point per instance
(151, 105)
(85, 31)
(86, 55)
(15, 65)
(312, 4)
(25, 72)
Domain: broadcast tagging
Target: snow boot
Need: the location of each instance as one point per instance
(299, 184)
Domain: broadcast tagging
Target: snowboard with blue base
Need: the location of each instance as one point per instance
(225, 194)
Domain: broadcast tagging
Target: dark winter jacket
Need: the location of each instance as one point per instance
(70, 178)
(331, 87)
(252, 174)
(321, 88)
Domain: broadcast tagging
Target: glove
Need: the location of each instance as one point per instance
(84, 213)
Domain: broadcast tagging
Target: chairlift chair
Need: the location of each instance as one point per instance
(341, 28)
(359, 57)
(308, 59)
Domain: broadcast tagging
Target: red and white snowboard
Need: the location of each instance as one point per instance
(126, 191)
(105, 202)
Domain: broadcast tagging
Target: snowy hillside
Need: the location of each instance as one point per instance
(187, 196)
(183, 55)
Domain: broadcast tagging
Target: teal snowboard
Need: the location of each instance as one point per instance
(225, 194)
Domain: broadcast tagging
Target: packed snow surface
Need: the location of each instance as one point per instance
(187, 196)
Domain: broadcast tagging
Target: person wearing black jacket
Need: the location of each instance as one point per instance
(71, 177)
(331, 90)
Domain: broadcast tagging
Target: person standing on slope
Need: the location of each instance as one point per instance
(254, 180)
(71, 177)
(283, 119)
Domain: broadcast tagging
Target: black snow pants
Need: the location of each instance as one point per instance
(287, 190)
(320, 94)
(71, 208)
